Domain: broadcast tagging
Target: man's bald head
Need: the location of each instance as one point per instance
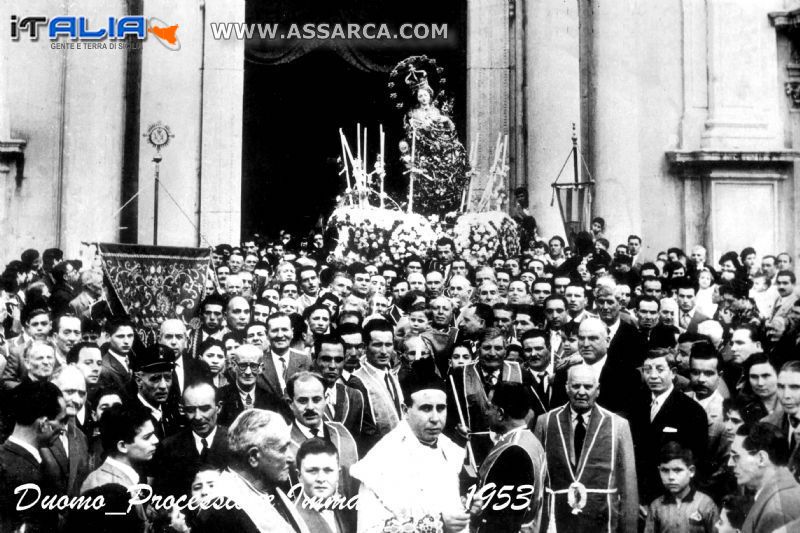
(172, 333)
(593, 340)
(580, 372)
(583, 387)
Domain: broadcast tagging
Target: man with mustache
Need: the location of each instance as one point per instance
(305, 394)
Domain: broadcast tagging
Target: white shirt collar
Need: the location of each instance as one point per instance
(574, 417)
(27, 447)
(307, 432)
(120, 359)
(598, 365)
(81, 415)
(330, 394)
(613, 328)
(661, 398)
(129, 472)
(209, 439)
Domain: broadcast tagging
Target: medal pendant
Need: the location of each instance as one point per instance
(576, 497)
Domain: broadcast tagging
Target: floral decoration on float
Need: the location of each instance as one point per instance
(412, 236)
(479, 236)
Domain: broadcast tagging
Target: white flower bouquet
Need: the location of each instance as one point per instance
(479, 236)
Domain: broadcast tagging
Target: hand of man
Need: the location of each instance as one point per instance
(455, 522)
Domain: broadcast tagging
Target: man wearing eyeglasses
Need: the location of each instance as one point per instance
(343, 403)
(758, 458)
(243, 394)
(179, 458)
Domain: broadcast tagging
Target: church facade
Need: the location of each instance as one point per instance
(687, 116)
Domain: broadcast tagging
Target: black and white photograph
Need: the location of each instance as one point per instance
(399, 266)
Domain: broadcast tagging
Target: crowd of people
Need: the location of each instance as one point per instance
(571, 388)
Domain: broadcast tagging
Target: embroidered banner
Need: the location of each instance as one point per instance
(151, 284)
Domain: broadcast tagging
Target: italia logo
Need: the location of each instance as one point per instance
(81, 28)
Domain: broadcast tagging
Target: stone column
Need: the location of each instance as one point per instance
(171, 94)
(614, 121)
(487, 81)
(93, 114)
(223, 87)
(553, 103)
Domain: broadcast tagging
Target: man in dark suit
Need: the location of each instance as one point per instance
(544, 396)
(688, 315)
(178, 458)
(66, 462)
(155, 369)
(244, 392)
(665, 415)
(317, 463)
(40, 416)
(618, 379)
(172, 334)
(240, 504)
(115, 372)
(626, 344)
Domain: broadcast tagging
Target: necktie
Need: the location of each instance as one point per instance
(331, 405)
(580, 435)
(653, 409)
(543, 380)
(392, 392)
(248, 401)
(685, 319)
(793, 422)
(204, 451)
(283, 364)
(315, 432)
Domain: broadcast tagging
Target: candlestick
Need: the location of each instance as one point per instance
(358, 141)
(411, 174)
(344, 157)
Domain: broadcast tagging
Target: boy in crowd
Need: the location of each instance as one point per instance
(682, 508)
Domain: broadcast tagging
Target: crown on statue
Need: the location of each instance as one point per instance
(417, 79)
